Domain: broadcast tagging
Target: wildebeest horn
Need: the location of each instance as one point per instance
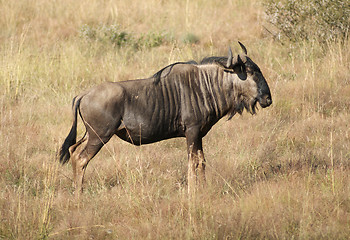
(243, 58)
(238, 60)
(230, 57)
(243, 47)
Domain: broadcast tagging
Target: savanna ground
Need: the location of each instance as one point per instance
(281, 174)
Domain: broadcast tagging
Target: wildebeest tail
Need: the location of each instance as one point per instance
(72, 136)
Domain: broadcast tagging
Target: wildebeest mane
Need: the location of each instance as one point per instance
(158, 75)
(223, 61)
(219, 60)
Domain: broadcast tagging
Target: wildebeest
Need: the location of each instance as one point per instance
(181, 100)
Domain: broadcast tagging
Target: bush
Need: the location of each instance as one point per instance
(112, 34)
(150, 40)
(309, 19)
(190, 38)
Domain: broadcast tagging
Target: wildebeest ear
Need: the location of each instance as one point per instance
(229, 58)
(243, 47)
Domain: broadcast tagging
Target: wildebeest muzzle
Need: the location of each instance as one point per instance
(265, 100)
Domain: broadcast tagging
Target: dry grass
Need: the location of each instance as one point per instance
(281, 174)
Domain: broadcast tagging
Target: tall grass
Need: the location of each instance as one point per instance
(280, 174)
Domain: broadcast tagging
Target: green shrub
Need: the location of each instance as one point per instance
(115, 35)
(106, 34)
(150, 40)
(190, 38)
(112, 34)
(310, 19)
(87, 32)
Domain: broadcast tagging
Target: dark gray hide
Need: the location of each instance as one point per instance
(181, 100)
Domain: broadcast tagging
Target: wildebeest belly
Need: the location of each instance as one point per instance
(139, 133)
(148, 124)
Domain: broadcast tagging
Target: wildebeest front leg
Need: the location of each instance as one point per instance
(201, 167)
(196, 161)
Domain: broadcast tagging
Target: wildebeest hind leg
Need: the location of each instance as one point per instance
(83, 153)
(75, 151)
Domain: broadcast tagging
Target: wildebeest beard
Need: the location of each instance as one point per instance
(241, 104)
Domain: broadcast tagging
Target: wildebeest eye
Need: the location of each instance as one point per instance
(250, 70)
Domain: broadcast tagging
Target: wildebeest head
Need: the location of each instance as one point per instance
(248, 78)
